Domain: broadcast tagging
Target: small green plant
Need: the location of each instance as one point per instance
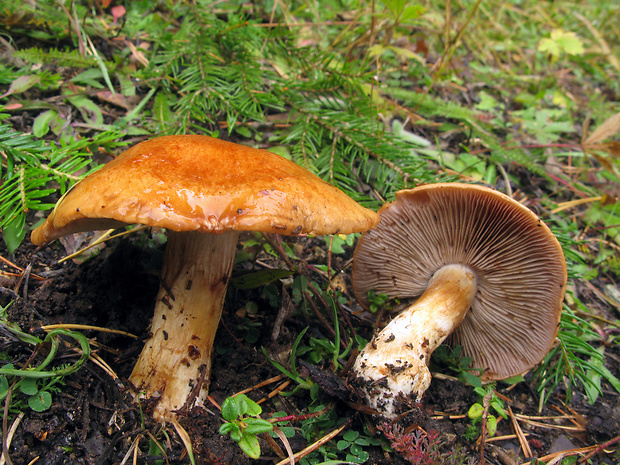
(561, 42)
(243, 423)
(353, 443)
(318, 350)
(338, 241)
(479, 412)
(377, 302)
(38, 383)
(38, 391)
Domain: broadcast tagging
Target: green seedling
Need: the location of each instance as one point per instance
(479, 412)
(324, 349)
(338, 241)
(379, 301)
(243, 423)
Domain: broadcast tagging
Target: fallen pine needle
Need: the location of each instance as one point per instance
(275, 379)
(557, 457)
(213, 402)
(527, 452)
(132, 448)
(86, 328)
(103, 365)
(505, 437)
(101, 239)
(574, 203)
(541, 417)
(564, 416)
(159, 446)
(20, 269)
(276, 391)
(545, 425)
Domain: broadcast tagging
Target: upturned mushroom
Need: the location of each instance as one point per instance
(485, 271)
(203, 191)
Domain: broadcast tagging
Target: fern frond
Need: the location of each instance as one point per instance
(31, 166)
(17, 148)
(217, 72)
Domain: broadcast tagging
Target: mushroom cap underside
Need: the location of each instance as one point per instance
(199, 183)
(518, 262)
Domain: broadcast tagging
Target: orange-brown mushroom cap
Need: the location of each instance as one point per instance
(192, 185)
(199, 183)
(518, 262)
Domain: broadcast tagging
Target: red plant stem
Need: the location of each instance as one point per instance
(302, 417)
(565, 184)
(600, 448)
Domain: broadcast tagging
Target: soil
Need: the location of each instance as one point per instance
(92, 419)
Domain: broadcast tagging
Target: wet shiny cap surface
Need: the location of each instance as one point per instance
(199, 183)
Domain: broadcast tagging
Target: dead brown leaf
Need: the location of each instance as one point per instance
(115, 99)
(608, 129)
(594, 145)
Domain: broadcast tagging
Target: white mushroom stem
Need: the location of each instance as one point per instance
(393, 367)
(175, 364)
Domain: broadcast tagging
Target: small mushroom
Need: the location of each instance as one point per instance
(485, 270)
(203, 191)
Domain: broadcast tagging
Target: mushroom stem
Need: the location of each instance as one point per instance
(393, 367)
(176, 360)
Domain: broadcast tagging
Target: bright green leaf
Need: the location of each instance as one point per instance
(41, 125)
(257, 426)
(568, 42)
(249, 444)
(342, 444)
(227, 428)
(475, 411)
(40, 402)
(29, 386)
(161, 109)
(4, 386)
(470, 379)
(14, 232)
(491, 425)
(230, 409)
(351, 435)
(252, 408)
(561, 42)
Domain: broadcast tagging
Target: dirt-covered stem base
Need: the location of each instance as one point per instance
(176, 360)
(392, 369)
